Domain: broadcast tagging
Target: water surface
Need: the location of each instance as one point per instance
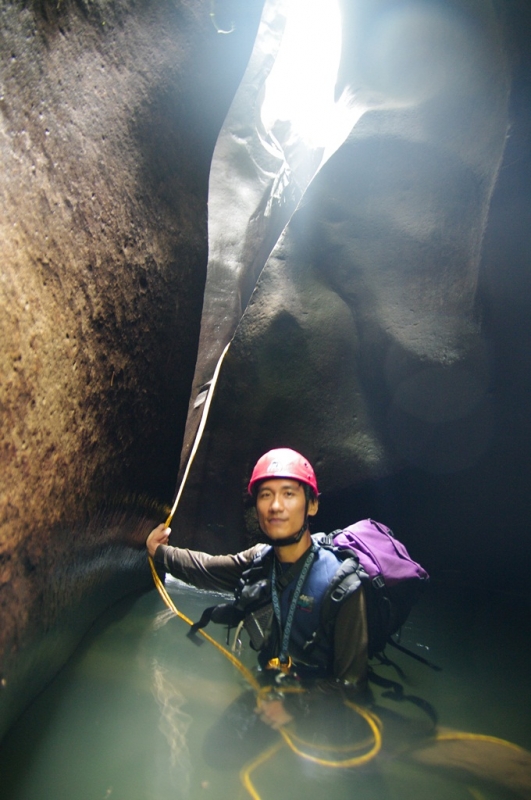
(140, 713)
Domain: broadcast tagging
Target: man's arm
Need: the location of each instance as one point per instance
(202, 570)
(351, 641)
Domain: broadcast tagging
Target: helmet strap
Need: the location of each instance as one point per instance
(294, 539)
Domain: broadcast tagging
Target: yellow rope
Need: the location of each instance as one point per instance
(199, 433)
(247, 674)
(245, 773)
(354, 761)
(290, 738)
(265, 690)
(333, 748)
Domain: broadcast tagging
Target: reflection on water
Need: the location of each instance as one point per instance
(173, 724)
(143, 713)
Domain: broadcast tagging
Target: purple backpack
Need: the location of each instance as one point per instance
(391, 579)
(384, 558)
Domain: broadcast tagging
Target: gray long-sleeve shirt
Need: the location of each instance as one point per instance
(222, 573)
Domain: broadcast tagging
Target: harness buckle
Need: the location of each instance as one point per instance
(282, 666)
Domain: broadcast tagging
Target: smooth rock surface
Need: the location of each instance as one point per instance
(109, 113)
(362, 337)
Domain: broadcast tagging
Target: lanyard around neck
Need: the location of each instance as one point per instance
(283, 656)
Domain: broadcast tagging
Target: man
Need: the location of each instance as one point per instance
(282, 585)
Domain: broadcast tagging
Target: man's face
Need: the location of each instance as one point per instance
(281, 507)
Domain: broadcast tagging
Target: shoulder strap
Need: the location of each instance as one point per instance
(258, 568)
(345, 582)
(229, 613)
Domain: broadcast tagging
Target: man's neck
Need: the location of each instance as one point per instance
(292, 552)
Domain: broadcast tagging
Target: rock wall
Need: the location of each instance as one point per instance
(109, 113)
(361, 345)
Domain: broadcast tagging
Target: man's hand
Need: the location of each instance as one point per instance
(158, 535)
(273, 713)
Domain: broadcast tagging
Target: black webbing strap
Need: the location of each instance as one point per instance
(422, 660)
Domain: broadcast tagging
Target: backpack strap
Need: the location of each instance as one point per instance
(224, 614)
(231, 614)
(416, 656)
(379, 609)
(325, 539)
(348, 577)
(395, 691)
(347, 580)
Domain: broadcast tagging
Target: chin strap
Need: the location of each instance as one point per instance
(294, 539)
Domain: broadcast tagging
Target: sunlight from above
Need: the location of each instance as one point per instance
(300, 87)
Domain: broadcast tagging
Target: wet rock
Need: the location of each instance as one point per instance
(361, 345)
(109, 113)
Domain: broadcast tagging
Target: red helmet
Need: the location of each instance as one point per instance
(283, 463)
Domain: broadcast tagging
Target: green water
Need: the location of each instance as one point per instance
(131, 715)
